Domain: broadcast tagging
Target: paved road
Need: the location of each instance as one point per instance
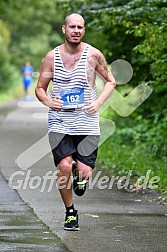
(20, 229)
(110, 220)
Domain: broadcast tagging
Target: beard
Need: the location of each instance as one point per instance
(72, 41)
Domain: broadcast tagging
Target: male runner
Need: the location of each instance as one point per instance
(73, 119)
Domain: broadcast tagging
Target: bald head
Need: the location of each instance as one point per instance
(74, 16)
(74, 29)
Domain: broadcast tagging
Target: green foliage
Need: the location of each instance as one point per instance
(4, 40)
(10, 74)
(27, 32)
(122, 152)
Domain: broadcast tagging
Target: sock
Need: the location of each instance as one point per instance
(70, 209)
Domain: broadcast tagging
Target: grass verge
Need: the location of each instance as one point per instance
(117, 159)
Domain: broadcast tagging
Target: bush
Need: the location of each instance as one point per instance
(9, 76)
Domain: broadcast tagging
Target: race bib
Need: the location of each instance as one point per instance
(72, 98)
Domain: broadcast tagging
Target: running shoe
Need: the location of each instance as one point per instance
(79, 185)
(71, 221)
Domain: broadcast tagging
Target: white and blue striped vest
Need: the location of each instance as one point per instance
(76, 122)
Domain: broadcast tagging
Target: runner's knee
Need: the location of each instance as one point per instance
(65, 167)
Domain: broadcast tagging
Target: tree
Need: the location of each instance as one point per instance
(135, 30)
(31, 33)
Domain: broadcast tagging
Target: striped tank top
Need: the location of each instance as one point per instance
(76, 121)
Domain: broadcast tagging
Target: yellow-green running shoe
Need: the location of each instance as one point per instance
(71, 220)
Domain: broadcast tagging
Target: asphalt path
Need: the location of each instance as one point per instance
(109, 219)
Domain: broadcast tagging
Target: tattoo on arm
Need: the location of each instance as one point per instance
(103, 65)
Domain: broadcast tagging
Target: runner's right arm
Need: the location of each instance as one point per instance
(45, 76)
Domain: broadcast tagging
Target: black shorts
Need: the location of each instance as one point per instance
(81, 147)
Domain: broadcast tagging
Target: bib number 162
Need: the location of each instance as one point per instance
(72, 98)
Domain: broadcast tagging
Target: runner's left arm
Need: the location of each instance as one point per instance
(106, 75)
